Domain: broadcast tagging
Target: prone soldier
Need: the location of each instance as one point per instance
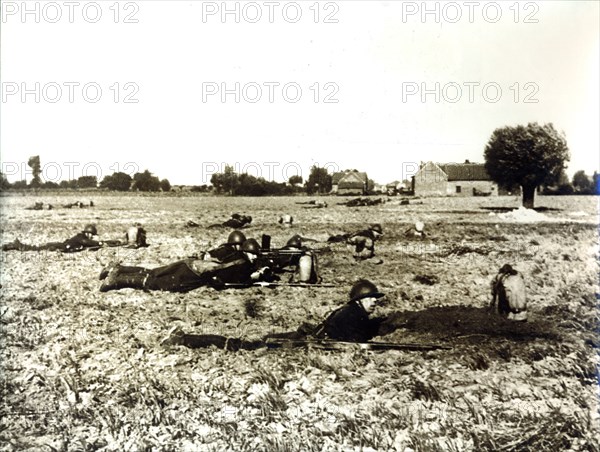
(79, 242)
(351, 323)
(238, 268)
(237, 221)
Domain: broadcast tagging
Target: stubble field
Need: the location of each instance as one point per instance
(83, 370)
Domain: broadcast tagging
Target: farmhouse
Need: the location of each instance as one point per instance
(349, 182)
(453, 179)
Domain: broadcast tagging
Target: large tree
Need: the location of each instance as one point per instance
(526, 155)
(146, 182)
(583, 183)
(117, 181)
(319, 180)
(36, 170)
(226, 182)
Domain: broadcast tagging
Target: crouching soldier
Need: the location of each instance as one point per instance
(418, 230)
(79, 242)
(182, 276)
(349, 323)
(508, 294)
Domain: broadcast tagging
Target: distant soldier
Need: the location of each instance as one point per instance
(314, 204)
(286, 220)
(349, 323)
(418, 230)
(136, 236)
(237, 221)
(363, 241)
(508, 294)
(79, 242)
(189, 274)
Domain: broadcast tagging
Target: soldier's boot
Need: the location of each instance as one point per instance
(106, 270)
(12, 246)
(117, 280)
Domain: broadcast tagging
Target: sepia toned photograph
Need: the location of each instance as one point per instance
(305, 225)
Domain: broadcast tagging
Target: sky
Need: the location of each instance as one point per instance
(183, 88)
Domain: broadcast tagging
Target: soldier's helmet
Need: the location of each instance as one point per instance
(508, 269)
(236, 238)
(91, 228)
(364, 288)
(294, 242)
(251, 246)
(376, 228)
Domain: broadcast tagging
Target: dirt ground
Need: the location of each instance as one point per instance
(83, 370)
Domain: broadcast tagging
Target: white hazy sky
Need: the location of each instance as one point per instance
(369, 56)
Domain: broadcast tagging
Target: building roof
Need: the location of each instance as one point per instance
(349, 179)
(353, 179)
(465, 171)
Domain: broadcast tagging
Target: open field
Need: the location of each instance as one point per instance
(83, 370)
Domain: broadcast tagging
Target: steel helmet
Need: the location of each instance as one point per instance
(364, 288)
(236, 238)
(251, 246)
(91, 228)
(295, 241)
(377, 228)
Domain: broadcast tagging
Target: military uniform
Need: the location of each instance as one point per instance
(184, 275)
(364, 242)
(79, 242)
(509, 294)
(349, 323)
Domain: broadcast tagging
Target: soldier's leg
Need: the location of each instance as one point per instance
(125, 278)
(177, 337)
(364, 249)
(176, 277)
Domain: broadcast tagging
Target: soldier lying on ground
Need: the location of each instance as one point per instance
(76, 243)
(508, 294)
(226, 250)
(135, 237)
(78, 204)
(189, 274)
(314, 204)
(361, 202)
(363, 241)
(350, 323)
(236, 221)
(294, 258)
(39, 206)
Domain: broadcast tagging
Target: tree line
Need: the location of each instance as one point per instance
(118, 181)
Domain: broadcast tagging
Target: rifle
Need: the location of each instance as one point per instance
(329, 344)
(107, 244)
(275, 284)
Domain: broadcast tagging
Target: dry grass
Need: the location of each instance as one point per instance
(82, 370)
